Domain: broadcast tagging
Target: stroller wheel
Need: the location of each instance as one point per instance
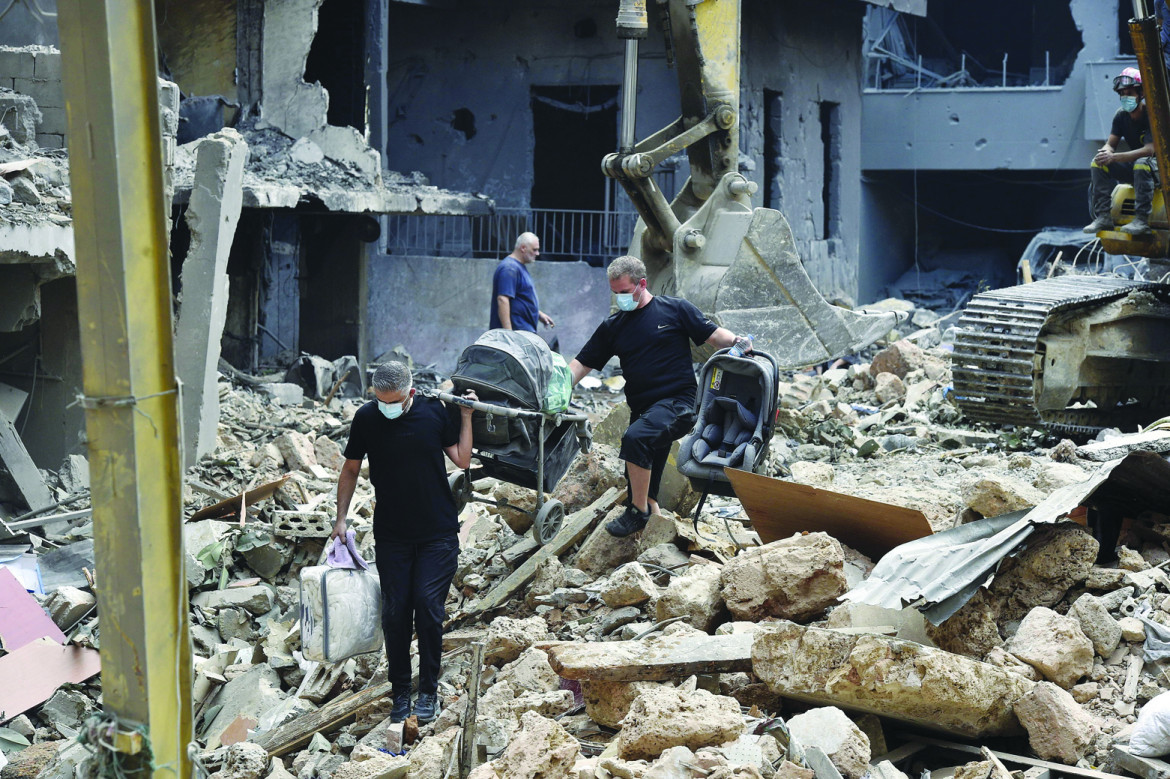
(461, 489)
(548, 522)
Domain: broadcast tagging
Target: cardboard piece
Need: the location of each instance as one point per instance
(22, 620)
(30, 675)
(229, 508)
(779, 509)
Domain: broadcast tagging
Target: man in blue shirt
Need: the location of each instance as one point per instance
(514, 302)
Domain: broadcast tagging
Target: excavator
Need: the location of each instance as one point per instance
(737, 263)
(1076, 354)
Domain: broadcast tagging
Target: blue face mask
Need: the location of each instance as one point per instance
(625, 301)
(1129, 103)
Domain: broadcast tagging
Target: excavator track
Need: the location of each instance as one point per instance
(999, 358)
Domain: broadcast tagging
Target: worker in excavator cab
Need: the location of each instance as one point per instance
(1138, 166)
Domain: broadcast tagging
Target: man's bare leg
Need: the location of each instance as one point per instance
(639, 486)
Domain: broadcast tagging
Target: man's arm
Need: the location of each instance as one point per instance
(460, 452)
(504, 311)
(722, 338)
(1135, 155)
(578, 370)
(346, 482)
(545, 319)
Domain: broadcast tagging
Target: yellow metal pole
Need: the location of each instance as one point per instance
(124, 307)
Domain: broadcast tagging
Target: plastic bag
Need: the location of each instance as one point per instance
(560, 386)
(1151, 734)
(341, 607)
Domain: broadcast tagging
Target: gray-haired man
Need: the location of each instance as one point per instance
(650, 335)
(405, 436)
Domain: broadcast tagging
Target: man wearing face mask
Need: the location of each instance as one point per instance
(405, 436)
(651, 336)
(1138, 166)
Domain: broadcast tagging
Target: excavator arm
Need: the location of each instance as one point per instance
(737, 263)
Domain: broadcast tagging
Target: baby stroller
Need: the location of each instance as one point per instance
(522, 432)
(735, 412)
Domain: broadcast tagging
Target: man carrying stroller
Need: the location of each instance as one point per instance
(416, 524)
(649, 334)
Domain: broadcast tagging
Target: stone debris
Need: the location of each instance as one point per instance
(729, 638)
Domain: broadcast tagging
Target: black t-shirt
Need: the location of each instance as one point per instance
(414, 501)
(651, 343)
(1135, 133)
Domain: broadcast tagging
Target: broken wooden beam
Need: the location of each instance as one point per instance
(297, 733)
(576, 526)
(231, 506)
(655, 659)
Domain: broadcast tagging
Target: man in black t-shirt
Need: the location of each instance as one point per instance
(1138, 166)
(650, 335)
(416, 526)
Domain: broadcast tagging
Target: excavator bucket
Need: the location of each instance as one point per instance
(746, 275)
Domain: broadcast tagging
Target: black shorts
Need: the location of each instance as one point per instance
(654, 429)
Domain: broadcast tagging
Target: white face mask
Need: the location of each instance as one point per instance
(395, 410)
(1129, 103)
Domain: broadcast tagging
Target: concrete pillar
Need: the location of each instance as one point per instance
(287, 102)
(212, 215)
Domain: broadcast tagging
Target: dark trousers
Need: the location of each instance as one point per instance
(646, 442)
(415, 579)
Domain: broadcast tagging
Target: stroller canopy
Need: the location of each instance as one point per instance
(514, 363)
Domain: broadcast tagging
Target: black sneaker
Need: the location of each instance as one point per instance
(627, 524)
(426, 708)
(401, 708)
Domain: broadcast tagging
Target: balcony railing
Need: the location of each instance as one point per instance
(595, 237)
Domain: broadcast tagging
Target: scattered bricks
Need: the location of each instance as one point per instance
(297, 450)
(67, 605)
(696, 596)
(795, 578)
(665, 717)
(1058, 728)
(1053, 644)
(257, 599)
(846, 746)
(629, 585)
(1097, 623)
(47, 64)
(899, 358)
(302, 524)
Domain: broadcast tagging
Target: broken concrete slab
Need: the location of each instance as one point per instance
(68, 605)
(795, 578)
(20, 470)
(289, 104)
(665, 717)
(654, 659)
(197, 536)
(250, 695)
(530, 672)
(1157, 441)
(212, 214)
(897, 679)
(828, 729)
(696, 596)
(257, 599)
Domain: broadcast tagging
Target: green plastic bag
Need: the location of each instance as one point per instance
(560, 386)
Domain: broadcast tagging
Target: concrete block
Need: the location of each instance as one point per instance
(53, 121)
(47, 65)
(16, 62)
(67, 605)
(21, 116)
(74, 473)
(48, 94)
(257, 599)
(297, 450)
(50, 141)
(67, 709)
(283, 393)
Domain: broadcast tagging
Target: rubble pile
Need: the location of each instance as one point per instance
(691, 649)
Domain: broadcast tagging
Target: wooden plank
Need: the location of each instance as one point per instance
(779, 509)
(575, 528)
(21, 468)
(668, 657)
(231, 506)
(333, 715)
(1007, 757)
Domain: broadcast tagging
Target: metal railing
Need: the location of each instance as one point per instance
(591, 236)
